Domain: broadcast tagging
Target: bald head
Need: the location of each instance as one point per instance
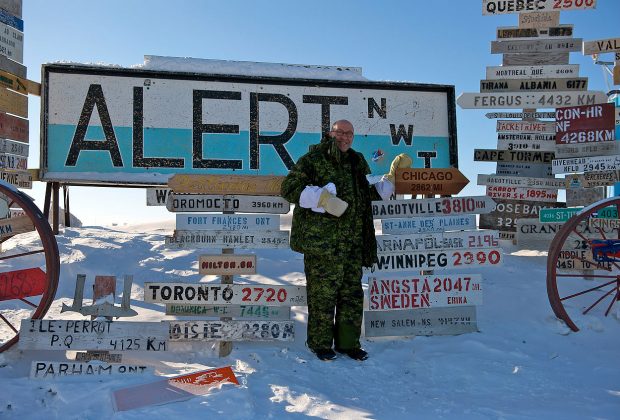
(342, 132)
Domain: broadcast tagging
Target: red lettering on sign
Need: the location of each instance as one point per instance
(22, 283)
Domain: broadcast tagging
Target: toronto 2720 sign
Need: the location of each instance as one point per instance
(121, 126)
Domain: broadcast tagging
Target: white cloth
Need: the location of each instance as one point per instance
(309, 198)
(385, 188)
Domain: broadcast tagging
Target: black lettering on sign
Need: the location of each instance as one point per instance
(278, 142)
(427, 156)
(374, 106)
(139, 161)
(406, 136)
(325, 102)
(199, 128)
(94, 97)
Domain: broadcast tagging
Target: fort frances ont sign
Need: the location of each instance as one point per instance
(130, 126)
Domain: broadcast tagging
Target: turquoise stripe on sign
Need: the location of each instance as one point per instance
(177, 143)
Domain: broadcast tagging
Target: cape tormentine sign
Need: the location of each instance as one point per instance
(132, 126)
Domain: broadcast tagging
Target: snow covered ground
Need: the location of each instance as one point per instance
(523, 362)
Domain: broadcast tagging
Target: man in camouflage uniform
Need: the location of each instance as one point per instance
(333, 228)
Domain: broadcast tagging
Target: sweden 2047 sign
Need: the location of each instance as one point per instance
(139, 126)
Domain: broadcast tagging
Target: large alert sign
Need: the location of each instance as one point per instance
(136, 126)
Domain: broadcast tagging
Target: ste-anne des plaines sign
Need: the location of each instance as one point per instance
(136, 126)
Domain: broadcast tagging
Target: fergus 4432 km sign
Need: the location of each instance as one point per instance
(128, 126)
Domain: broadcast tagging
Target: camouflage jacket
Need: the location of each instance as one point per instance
(321, 233)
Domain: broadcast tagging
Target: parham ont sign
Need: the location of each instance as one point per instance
(129, 126)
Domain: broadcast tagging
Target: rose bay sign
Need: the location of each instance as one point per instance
(128, 126)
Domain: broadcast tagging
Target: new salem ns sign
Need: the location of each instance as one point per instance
(127, 126)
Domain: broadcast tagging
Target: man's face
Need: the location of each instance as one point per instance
(343, 133)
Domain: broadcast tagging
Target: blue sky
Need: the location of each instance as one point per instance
(443, 42)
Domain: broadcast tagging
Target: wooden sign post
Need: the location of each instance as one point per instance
(226, 184)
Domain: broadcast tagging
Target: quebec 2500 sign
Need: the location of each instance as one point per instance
(128, 126)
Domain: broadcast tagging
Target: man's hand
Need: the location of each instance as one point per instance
(401, 161)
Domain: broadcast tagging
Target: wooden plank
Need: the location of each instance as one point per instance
(102, 356)
(601, 46)
(104, 286)
(192, 203)
(442, 181)
(580, 260)
(14, 128)
(500, 7)
(438, 260)
(224, 264)
(18, 178)
(237, 222)
(394, 244)
(428, 224)
(587, 149)
(13, 6)
(432, 207)
(511, 32)
(586, 164)
(13, 102)
(11, 42)
(539, 19)
(18, 84)
(592, 179)
(174, 389)
(232, 330)
(532, 234)
(19, 284)
(12, 66)
(398, 292)
(530, 145)
(535, 59)
(524, 115)
(157, 196)
(521, 156)
(509, 181)
(604, 223)
(231, 311)
(228, 239)
(536, 170)
(551, 45)
(529, 100)
(522, 193)
(431, 321)
(82, 334)
(533, 85)
(526, 136)
(15, 225)
(10, 18)
(616, 75)
(13, 147)
(54, 370)
(226, 184)
(508, 126)
(532, 72)
(507, 212)
(225, 294)
(11, 161)
(557, 215)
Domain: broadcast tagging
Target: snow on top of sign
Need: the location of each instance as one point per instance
(250, 68)
(97, 64)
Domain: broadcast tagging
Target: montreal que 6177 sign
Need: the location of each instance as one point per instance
(135, 126)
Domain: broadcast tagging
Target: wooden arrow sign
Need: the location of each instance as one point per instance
(536, 46)
(444, 181)
(592, 179)
(226, 184)
(22, 283)
(19, 84)
(508, 100)
(601, 46)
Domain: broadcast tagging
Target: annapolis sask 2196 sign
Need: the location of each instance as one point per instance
(120, 126)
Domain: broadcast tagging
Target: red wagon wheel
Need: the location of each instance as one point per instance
(29, 270)
(583, 265)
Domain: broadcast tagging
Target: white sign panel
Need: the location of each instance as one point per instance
(192, 203)
(11, 43)
(228, 239)
(209, 124)
(536, 45)
(225, 294)
(438, 260)
(14, 147)
(10, 161)
(586, 164)
(531, 145)
(157, 196)
(522, 193)
(425, 322)
(500, 7)
(432, 207)
(429, 224)
(227, 222)
(587, 149)
(394, 244)
(55, 370)
(547, 127)
(232, 330)
(601, 46)
(524, 115)
(513, 181)
(536, 59)
(391, 293)
(529, 99)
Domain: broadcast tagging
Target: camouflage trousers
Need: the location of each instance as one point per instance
(335, 301)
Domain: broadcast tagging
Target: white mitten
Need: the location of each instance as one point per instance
(385, 188)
